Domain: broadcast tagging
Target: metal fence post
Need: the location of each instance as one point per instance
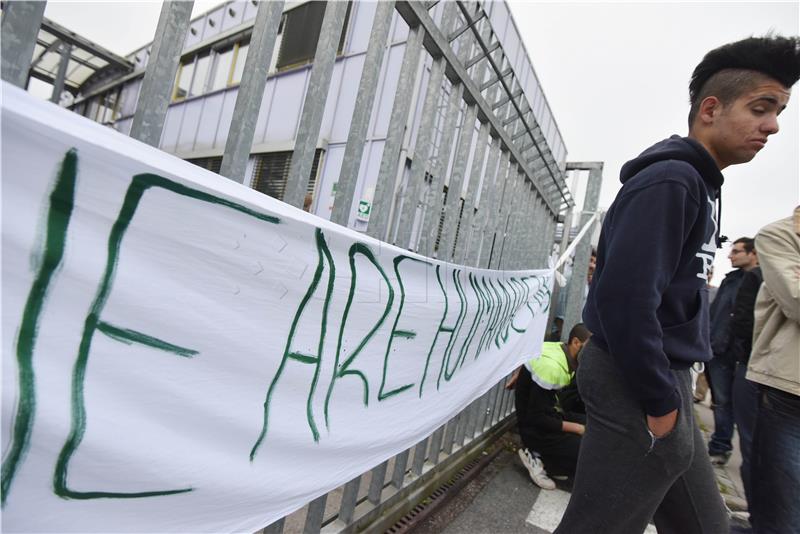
(463, 244)
(251, 90)
(492, 215)
(380, 217)
(165, 55)
(422, 152)
(20, 27)
(61, 74)
(435, 193)
(456, 184)
(576, 287)
(305, 142)
(365, 99)
(315, 514)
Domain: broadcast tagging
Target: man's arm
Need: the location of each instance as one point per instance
(742, 319)
(779, 254)
(650, 228)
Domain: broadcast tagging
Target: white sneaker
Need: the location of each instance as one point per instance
(536, 470)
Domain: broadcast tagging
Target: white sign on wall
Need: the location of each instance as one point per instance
(182, 353)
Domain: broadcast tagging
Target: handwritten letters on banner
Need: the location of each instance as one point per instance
(182, 353)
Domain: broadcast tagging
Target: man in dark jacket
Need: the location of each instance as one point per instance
(722, 366)
(642, 456)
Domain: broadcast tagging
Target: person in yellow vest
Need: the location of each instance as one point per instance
(551, 435)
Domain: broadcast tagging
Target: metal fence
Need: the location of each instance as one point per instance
(471, 171)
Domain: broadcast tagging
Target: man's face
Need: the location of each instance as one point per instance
(592, 266)
(741, 128)
(740, 258)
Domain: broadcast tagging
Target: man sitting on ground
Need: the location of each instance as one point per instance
(544, 426)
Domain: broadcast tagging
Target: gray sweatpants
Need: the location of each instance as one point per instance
(625, 477)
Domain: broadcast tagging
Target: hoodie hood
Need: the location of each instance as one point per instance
(692, 152)
(681, 149)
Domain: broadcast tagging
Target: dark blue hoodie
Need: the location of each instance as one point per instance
(648, 302)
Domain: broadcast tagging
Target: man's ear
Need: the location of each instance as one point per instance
(710, 107)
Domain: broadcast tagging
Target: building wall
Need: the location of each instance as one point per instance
(197, 127)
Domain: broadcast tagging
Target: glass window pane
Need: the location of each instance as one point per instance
(200, 75)
(238, 68)
(222, 69)
(184, 79)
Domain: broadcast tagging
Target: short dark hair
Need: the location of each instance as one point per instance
(580, 331)
(733, 69)
(748, 243)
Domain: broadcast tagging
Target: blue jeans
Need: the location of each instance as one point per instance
(745, 413)
(721, 373)
(776, 460)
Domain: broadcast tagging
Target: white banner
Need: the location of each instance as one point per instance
(184, 354)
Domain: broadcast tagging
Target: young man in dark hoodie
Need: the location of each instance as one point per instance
(642, 456)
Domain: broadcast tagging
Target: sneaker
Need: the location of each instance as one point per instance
(720, 459)
(536, 470)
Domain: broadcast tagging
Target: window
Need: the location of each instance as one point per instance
(212, 164)
(301, 28)
(183, 80)
(103, 108)
(272, 171)
(238, 63)
(222, 69)
(200, 75)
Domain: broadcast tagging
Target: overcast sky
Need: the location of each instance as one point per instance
(615, 75)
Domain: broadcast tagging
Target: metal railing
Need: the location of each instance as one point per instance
(467, 175)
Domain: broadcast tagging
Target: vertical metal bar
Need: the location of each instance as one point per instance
(422, 152)
(497, 415)
(348, 176)
(492, 215)
(436, 445)
(541, 228)
(305, 143)
(463, 425)
(457, 183)
(20, 27)
(471, 413)
(489, 413)
(480, 417)
(509, 197)
(251, 90)
(419, 456)
(577, 283)
(464, 240)
(424, 144)
(165, 55)
(530, 218)
(61, 75)
(399, 474)
(434, 197)
(376, 484)
(380, 216)
(315, 515)
(349, 497)
(275, 527)
(479, 219)
(450, 434)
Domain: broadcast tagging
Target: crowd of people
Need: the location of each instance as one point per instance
(612, 407)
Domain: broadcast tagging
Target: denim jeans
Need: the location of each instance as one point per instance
(776, 460)
(745, 413)
(721, 373)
